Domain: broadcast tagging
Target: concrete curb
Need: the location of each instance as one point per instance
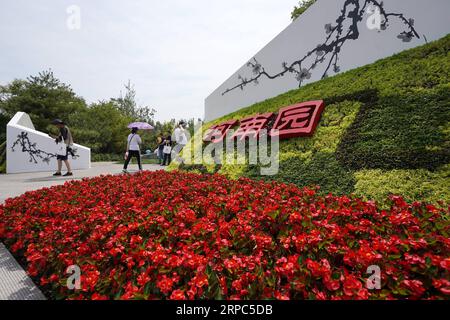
(15, 284)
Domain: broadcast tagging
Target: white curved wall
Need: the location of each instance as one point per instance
(431, 22)
(29, 150)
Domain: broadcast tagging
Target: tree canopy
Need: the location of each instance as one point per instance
(127, 105)
(302, 6)
(102, 126)
(43, 97)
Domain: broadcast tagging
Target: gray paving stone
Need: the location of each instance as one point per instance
(15, 284)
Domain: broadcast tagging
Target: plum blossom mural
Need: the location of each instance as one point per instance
(34, 153)
(346, 28)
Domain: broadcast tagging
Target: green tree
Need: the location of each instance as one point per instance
(303, 5)
(3, 157)
(128, 106)
(43, 97)
(102, 127)
(3, 122)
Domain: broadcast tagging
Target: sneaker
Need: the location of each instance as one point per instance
(57, 174)
(68, 174)
(125, 171)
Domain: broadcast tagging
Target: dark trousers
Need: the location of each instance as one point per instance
(167, 158)
(160, 155)
(133, 153)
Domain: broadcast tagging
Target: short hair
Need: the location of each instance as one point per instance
(134, 130)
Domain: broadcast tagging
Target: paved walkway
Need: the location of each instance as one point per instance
(12, 185)
(14, 282)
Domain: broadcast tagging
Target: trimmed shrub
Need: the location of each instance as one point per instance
(399, 132)
(412, 184)
(106, 157)
(382, 122)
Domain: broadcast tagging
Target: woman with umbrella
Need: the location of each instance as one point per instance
(134, 143)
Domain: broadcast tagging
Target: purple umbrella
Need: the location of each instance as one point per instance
(140, 126)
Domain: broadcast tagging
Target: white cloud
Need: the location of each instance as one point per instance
(175, 52)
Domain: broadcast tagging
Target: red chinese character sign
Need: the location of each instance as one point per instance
(298, 120)
(217, 133)
(252, 126)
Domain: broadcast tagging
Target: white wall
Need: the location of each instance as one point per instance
(431, 21)
(35, 151)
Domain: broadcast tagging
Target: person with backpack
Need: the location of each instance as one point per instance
(134, 143)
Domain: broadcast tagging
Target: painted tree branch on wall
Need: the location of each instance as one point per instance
(328, 52)
(34, 153)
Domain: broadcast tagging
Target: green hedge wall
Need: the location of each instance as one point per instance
(385, 130)
(399, 131)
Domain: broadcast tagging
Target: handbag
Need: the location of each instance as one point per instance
(61, 149)
(167, 149)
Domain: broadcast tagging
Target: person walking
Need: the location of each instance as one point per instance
(180, 139)
(167, 150)
(160, 149)
(64, 143)
(134, 143)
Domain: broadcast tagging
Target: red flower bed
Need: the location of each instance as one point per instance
(160, 235)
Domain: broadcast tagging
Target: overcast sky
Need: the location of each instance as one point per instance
(176, 52)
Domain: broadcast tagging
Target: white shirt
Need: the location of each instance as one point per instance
(180, 136)
(134, 141)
